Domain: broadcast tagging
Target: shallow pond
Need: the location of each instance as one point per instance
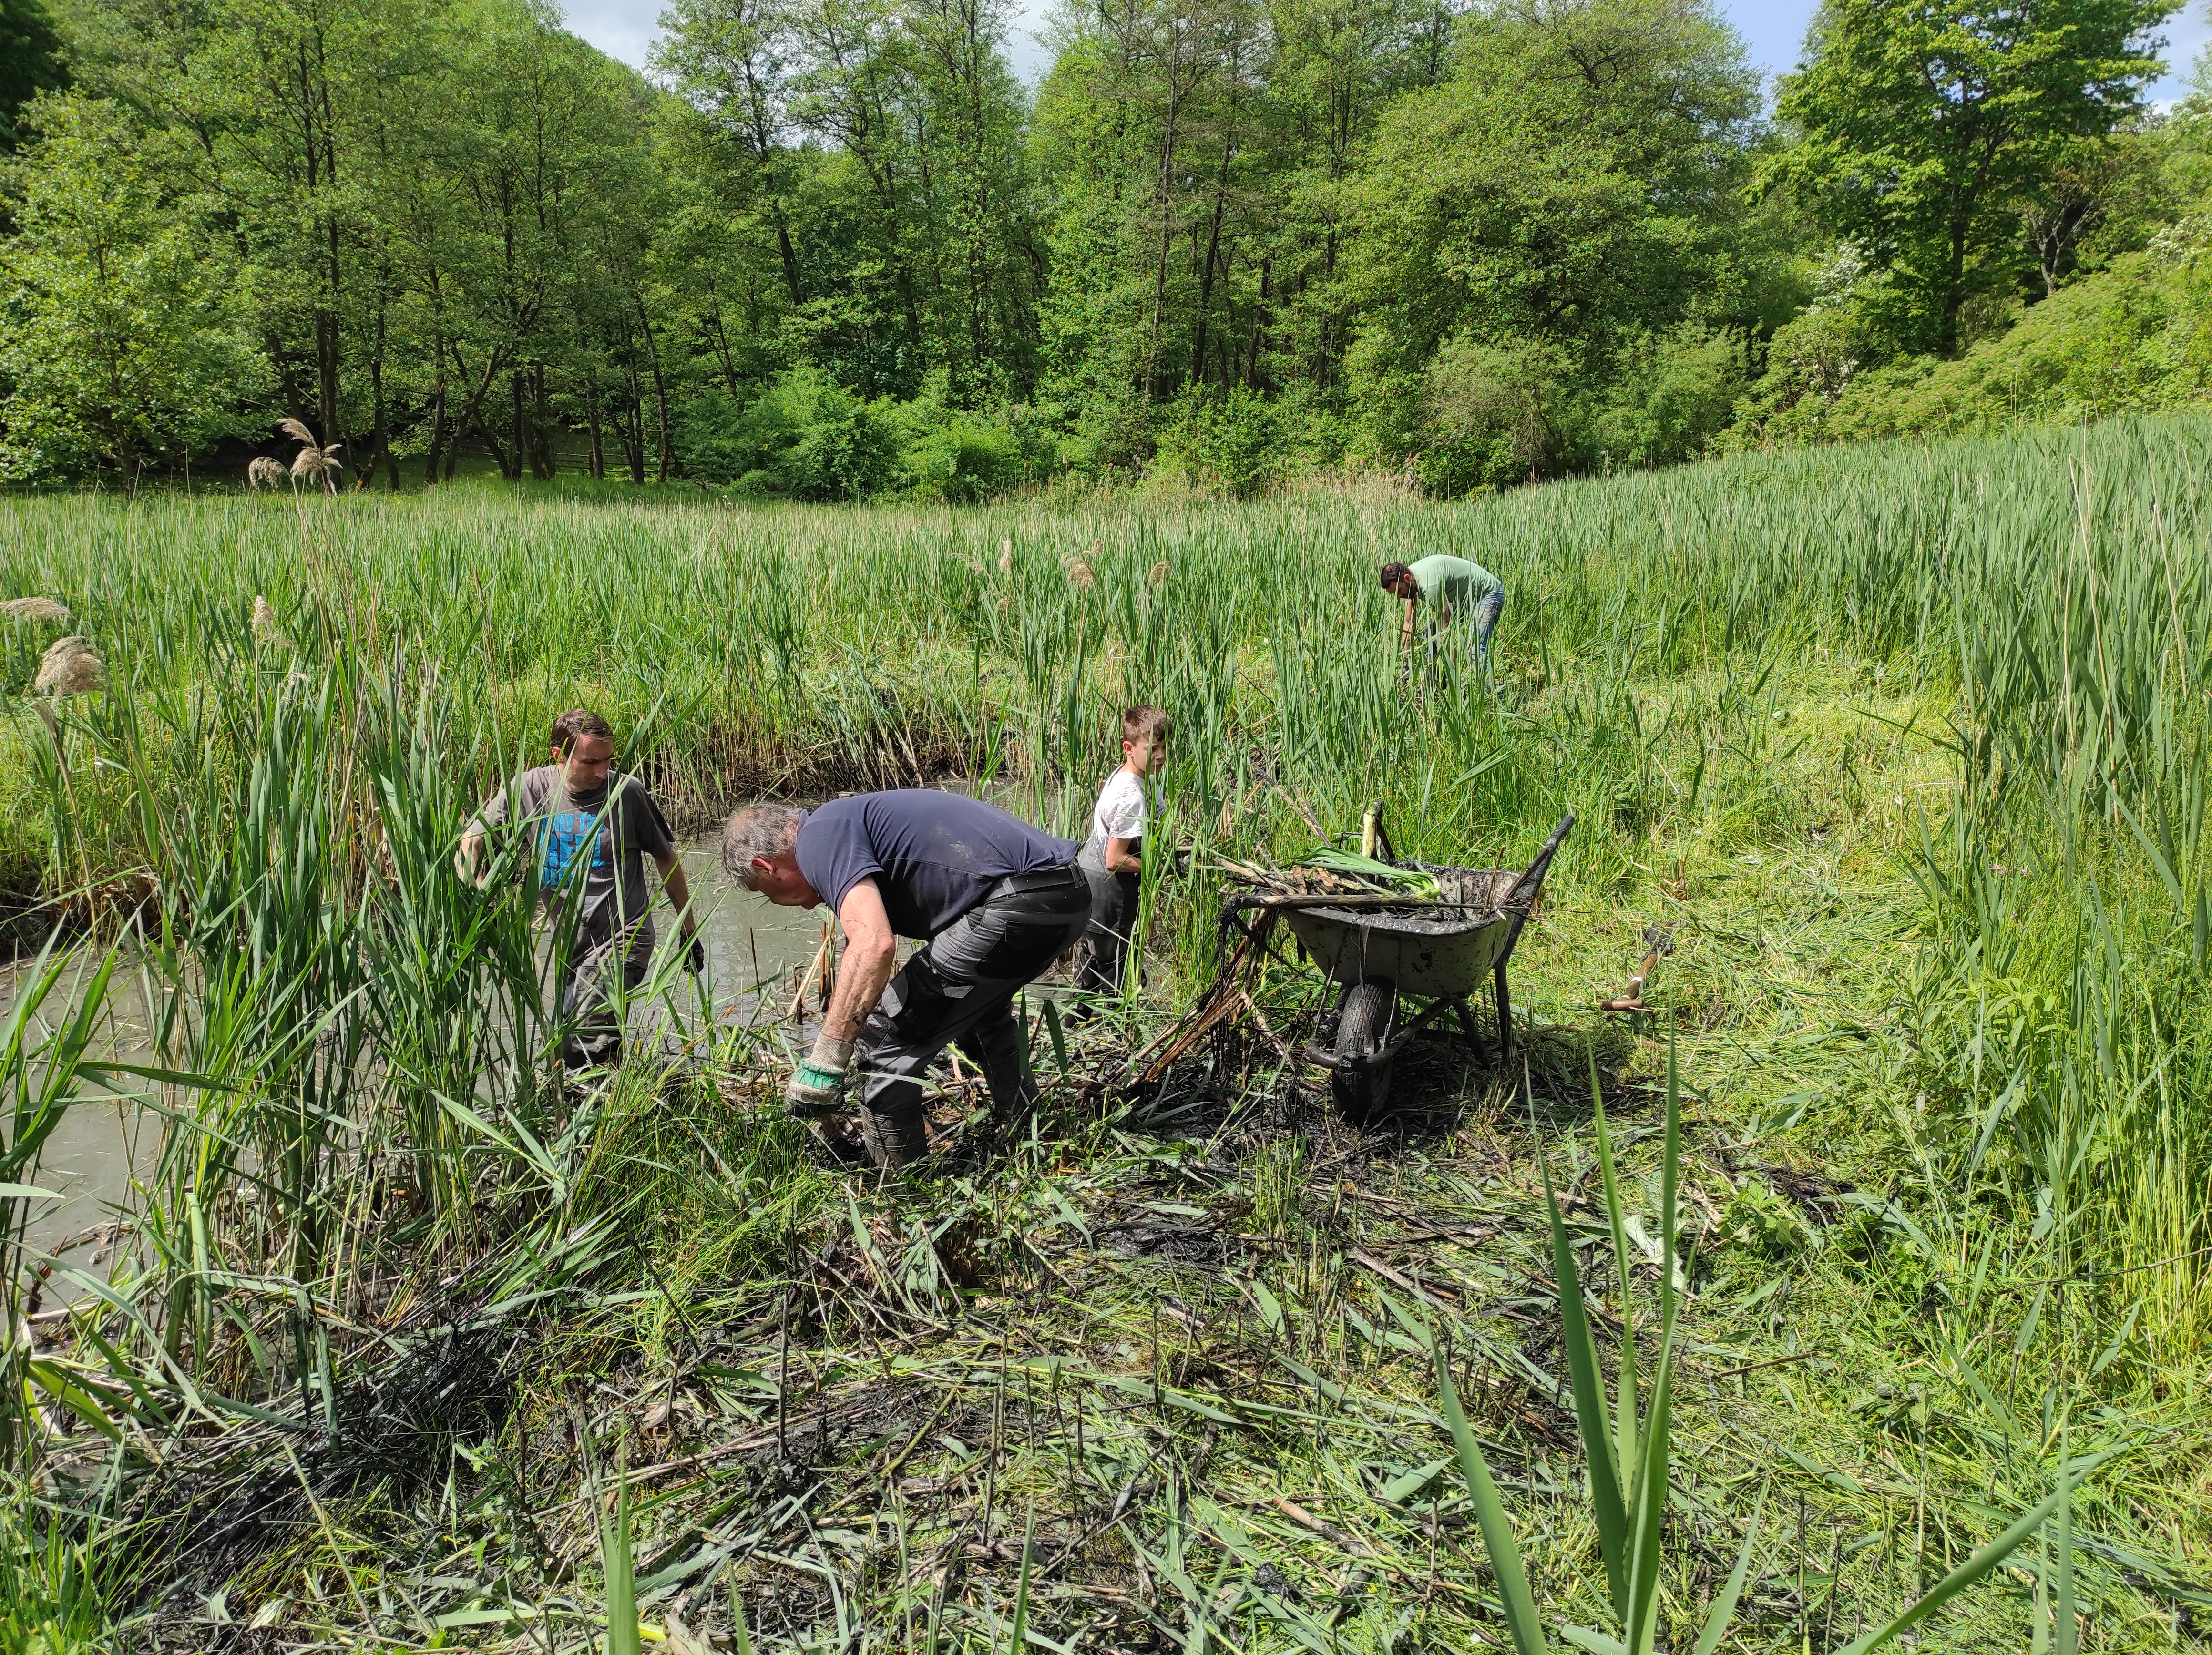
(93, 1154)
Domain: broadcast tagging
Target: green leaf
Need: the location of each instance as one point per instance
(622, 1635)
(1402, 1487)
(1589, 1387)
(1596, 1642)
(1966, 1574)
(1624, 1397)
(1520, 1605)
(1058, 1035)
(1411, 881)
(1648, 1507)
(74, 1396)
(26, 1192)
(1723, 1609)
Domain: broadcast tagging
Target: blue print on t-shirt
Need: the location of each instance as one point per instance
(565, 831)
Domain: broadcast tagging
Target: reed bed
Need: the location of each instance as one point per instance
(1905, 745)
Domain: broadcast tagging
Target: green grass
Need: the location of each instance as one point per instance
(1904, 744)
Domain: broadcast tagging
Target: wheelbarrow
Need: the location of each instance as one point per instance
(1379, 953)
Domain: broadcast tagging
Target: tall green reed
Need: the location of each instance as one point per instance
(1628, 1448)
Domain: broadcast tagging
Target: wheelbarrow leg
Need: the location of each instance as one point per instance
(1505, 1019)
(1466, 1023)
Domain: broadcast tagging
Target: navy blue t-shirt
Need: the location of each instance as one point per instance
(933, 855)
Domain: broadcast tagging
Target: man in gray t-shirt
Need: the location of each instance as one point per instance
(592, 832)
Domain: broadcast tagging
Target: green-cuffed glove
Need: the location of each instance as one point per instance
(818, 1079)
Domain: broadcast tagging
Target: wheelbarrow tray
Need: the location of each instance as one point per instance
(1422, 950)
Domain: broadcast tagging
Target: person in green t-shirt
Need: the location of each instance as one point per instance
(1456, 592)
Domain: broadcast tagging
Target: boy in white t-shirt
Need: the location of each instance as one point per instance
(1113, 857)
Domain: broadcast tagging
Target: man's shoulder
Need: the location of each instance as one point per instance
(532, 787)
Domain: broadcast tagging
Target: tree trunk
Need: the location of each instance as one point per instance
(1197, 374)
(543, 458)
(592, 419)
(326, 377)
(1258, 323)
(382, 434)
(437, 421)
(790, 257)
(1954, 288)
(518, 436)
(632, 431)
(660, 391)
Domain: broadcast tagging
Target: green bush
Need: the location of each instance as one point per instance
(805, 437)
(2131, 337)
(1227, 439)
(961, 457)
(1672, 394)
(1497, 415)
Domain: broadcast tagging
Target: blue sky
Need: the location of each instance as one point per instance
(1772, 28)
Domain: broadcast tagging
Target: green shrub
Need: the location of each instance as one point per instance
(961, 457)
(1496, 414)
(1227, 439)
(2131, 337)
(805, 437)
(1672, 394)
(1758, 1221)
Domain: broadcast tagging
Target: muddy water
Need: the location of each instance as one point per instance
(756, 954)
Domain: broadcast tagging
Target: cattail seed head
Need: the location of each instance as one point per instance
(34, 609)
(69, 668)
(264, 625)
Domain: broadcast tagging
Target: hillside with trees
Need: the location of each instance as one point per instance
(838, 249)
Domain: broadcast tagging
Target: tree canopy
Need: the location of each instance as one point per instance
(837, 247)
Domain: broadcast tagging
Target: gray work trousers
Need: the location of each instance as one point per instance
(587, 1001)
(959, 990)
(1113, 924)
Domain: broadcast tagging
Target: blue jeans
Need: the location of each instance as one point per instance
(1486, 611)
(1486, 622)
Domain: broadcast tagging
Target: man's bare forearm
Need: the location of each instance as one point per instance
(860, 979)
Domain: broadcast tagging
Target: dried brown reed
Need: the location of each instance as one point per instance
(34, 609)
(314, 460)
(69, 667)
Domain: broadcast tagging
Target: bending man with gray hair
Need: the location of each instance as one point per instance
(993, 899)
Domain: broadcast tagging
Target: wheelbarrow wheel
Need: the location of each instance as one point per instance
(1360, 1082)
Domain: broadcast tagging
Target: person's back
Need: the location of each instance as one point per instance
(934, 855)
(1455, 582)
(994, 899)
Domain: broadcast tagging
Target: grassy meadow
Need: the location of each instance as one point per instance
(411, 1345)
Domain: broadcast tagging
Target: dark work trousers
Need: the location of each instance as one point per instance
(1106, 943)
(589, 1005)
(959, 990)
